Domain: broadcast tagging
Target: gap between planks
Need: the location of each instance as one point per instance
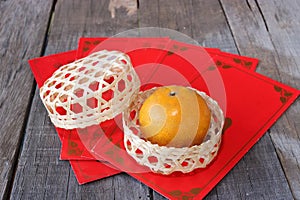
(7, 193)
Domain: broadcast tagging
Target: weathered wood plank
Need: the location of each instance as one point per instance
(40, 174)
(22, 28)
(74, 20)
(40, 154)
(270, 31)
(121, 186)
(205, 21)
(193, 18)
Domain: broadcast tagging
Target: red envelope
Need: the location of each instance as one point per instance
(86, 45)
(252, 116)
(254, 103)
(85, 171)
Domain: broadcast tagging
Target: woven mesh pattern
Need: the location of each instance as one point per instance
(165, 160)
(90, 90)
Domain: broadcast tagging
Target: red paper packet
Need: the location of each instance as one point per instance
(86, 45)
(85, 171)
(254, 103)
(187, 187)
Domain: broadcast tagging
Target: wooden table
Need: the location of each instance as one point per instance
(29, 147)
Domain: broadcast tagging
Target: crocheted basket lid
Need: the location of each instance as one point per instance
(90, 90)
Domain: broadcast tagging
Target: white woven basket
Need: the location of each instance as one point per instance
(165, 160)
(90, 90)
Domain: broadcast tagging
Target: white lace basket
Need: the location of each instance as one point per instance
(90, 90)
(165, 160)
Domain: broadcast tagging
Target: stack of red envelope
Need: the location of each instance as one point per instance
(251, 101)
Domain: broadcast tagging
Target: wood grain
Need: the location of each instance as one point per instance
(269, 31)
(40, 174)
(23, 26)
(205, 21)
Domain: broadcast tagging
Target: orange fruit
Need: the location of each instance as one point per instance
(174, 116)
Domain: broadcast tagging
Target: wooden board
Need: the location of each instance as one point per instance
(270, 31)
(205, 21)
(40, 173)
(22, 29)
(249, 27)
